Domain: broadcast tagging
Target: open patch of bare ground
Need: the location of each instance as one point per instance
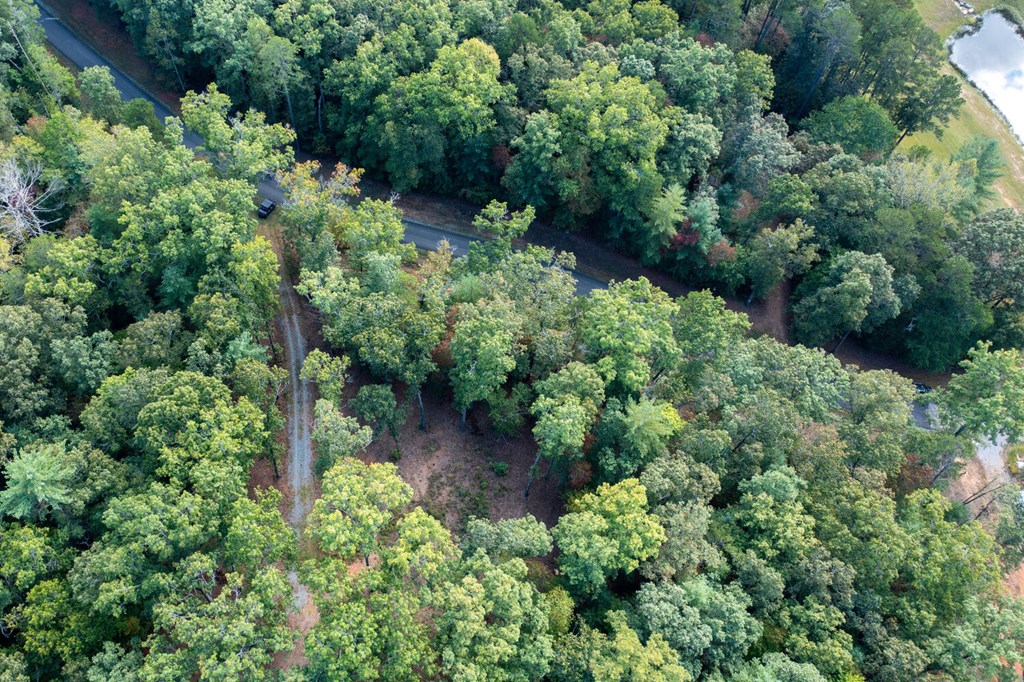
(456, 474)
(974, 478)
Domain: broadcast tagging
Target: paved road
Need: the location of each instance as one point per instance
(424, 236)
(83, 56)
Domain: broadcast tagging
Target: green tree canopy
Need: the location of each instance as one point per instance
(606, 532)
(858, 124)
(359, 500)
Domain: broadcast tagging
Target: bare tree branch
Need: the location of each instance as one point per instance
(26, 208)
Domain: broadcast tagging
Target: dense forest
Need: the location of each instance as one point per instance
(735, 144)
(736, 509)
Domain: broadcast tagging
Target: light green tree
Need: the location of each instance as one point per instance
(370, 628)
(779, 254)
(358, 501)
(777, 668)
(627, 334)
(336, 436)
(373, 228)
(484, 347)
(706, 331)
(853, 292)
(524, 537)
(987, 399)
(664, 218)
(231, 633)
(879, 418)
(566, 407)
(706, 623)
(38, 482)
(633, 433)
(987, 165)
(330, 372)
(393, 333)
(375, 404)
(503, 228)
(623, 657)
(276, 71)
(580, 155)
(257, 535)
(859, 124)
(994, 245)
(606, 532)
(493, 623)
(102, 98)
(313, 208)
(437, 126)
(244, 146)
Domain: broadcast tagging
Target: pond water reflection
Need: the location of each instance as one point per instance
(993, 57)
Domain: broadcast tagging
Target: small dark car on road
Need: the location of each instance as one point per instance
(266, 208)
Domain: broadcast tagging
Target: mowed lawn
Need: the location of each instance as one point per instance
(977, 117)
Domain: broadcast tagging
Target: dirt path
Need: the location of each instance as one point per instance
(299, 465)
(298, 484)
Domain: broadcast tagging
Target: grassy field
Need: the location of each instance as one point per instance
(977, 117)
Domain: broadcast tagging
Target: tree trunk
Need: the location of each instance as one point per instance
(533, 475)
(941, 471)
(742, 441)
(981, 493)
(978, 516)
(774, 27)
(768, 17)
(841, 342)
(320, 111)
(32, 65)
(174, 65)
(291, 116)
(423, 413)
(814, 86)
(273, 346)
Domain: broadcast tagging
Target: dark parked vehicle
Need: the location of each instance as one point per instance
(266, 208)
(922, 388)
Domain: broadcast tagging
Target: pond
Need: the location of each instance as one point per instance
(993, 57)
